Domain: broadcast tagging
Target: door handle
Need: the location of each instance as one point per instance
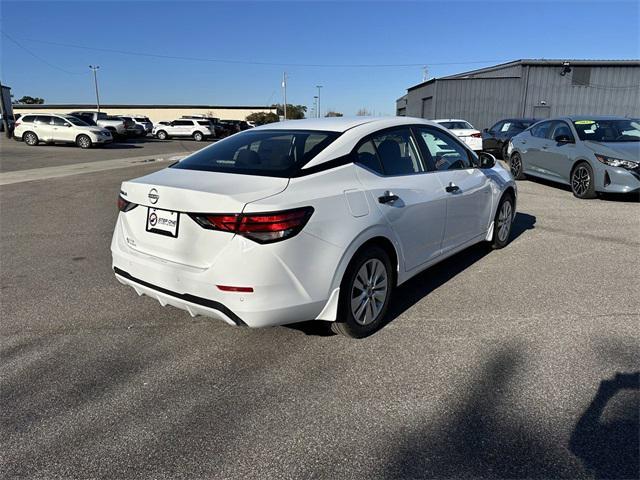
(388, 197)
(451, 188)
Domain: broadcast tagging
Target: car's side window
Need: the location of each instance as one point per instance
(367, 156)
(541, 130)
(562, 129)
(397, 152)
(43, 120)
(496, 128)
(28, 119)
(446, 152)
(59, 122)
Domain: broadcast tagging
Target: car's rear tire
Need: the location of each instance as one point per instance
(365, 293)
(516, 167)
(162, 135)
(583, 184)
(30, 139)
(503, 221)
(198, 136)
(83, 141)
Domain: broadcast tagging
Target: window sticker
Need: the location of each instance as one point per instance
(585, 122)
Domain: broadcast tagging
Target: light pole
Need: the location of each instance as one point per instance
(315, 106)
(318, 87)
(284, 93)
(95, 81)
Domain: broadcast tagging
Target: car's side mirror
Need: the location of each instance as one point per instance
(68, 125)
(563, 139)
(486, 160)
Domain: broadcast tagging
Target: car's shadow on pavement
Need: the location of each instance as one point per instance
(418, 287)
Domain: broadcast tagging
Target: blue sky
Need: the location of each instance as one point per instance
(430, 33)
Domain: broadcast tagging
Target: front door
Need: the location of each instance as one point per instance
(467, 189)
(410, 198)
(62, 131)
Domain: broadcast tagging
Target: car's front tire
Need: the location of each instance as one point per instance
(162, 135)
(83, 141)
(30, 139)
(365, 293)
(516, 167)
(583, 184)
(503, 221)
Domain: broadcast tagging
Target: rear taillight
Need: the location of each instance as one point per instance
(18, 123)
(476, 135)
(124, 205)
(259, 227)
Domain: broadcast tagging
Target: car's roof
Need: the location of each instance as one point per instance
(450, 120)
(337, 124)
(575, 118)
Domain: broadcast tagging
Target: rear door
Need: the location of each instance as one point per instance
(536, 148)
(489, 138)
(43, 128)
(411, 199)
(467, 189)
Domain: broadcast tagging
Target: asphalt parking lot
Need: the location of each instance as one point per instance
(19, 156)
(495, 364)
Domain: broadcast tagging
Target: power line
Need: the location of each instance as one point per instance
(37, 56)
(248, 62)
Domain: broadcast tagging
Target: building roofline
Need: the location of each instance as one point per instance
(530, 61)
(78, 106)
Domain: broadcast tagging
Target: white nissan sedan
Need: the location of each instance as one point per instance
(308, 219)
(463, 129)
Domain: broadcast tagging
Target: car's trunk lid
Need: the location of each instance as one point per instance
(183, 192)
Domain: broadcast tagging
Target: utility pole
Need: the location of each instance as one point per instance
(284, 93)
(315, 106)
(95, 81)
(318, 87)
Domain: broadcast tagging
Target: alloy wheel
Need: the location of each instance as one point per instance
(504, 221)
(516, 165)
(580, 181)
(30, 139)
(369, 291)
(84, 142)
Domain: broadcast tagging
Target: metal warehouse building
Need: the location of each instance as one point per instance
(528, 88)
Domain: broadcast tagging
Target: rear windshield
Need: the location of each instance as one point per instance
(456, 125)
(272, 153)
(615, 130)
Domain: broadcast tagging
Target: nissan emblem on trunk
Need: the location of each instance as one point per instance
(153, 196)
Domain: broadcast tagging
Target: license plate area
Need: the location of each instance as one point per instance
(163, 222)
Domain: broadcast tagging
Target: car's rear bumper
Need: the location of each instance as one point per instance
(284, 291)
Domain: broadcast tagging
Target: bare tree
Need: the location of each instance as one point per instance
(363, 112)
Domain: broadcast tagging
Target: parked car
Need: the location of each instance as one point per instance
(496, 138)
(54, 128)
(133, 129)
(308, 219)
(590, 154)
(146, 123)
(100, 119)
(463, 129)
(221, 131)
(184, 127)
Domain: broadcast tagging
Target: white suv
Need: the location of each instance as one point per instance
(184, 127)
(49, 128)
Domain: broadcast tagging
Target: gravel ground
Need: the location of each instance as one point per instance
(496, 364)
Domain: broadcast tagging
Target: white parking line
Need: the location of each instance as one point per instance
(8, 178)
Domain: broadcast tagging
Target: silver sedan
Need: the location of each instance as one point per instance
(590, 154)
